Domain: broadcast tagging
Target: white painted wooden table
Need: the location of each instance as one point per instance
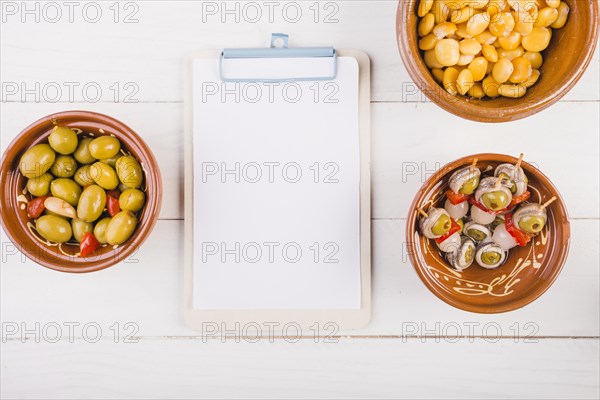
(415, 346)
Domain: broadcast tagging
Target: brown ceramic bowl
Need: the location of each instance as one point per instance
(528, 271)
(14, 219)
(565, 60)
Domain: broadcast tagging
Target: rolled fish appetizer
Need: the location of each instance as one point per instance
(490, 255)
(463, 256)
(484, 216)
(515, 175)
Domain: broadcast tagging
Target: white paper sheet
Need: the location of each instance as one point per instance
(276, 191)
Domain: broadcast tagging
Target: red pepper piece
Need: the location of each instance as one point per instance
(456, 198)
(112, 202)
(519, 199)
(88, 244)
(36, 207)
(522, 238)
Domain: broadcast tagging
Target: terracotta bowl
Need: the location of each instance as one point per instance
(14, 219)
(528, 271)
(565, 60)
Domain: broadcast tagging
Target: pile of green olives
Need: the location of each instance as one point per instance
(82, 185)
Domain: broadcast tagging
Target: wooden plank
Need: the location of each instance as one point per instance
(143, 59)
(350, 368)
(409, 142)
(147, 289)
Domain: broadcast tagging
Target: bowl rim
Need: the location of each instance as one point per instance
(142, 232)
(453, 301)
(475, 112)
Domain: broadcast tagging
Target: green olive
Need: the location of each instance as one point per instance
(82, 153)
(53, 228)
(532, 224)
(63, 140)
(513, 187)
(476, 234)
(104, 175)
(441, 226)
(130, 172)
(112, 161)
(91, 203)
(120, 228)
(100, 230)
(64, 167)
(497, 222)
(80, 227)
(37, 160)
(40, 186)
(469, 186)
(83, 176)
(66, 189)
(495, 200)
(491, 257)
(469, 254)
(461, 224)
(132, 200)
(104, 147)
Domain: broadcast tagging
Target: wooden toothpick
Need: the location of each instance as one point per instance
(518, 164)
(423, 213)
(473, 164)
(546, 204)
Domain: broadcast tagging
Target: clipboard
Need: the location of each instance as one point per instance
(309, 321)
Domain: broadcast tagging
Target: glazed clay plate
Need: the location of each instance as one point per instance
(527, 272)
(14, 216)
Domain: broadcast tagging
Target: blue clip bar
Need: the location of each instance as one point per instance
(279, 52)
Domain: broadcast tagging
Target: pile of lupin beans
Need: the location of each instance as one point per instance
(487, 48)
(82, 190)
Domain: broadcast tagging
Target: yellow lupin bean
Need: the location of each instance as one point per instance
(563, 13)
(523, 22)
(444, 29)
(502, 24)
(511, 54)
(490, 87)
(428, 42)
(489, 52)
(478, 68)
(438, 74)
(461, 31)
(534, 58)
(464, 82)
(486, 37)
(502, 70)
(513, 91)
(479, 4)
(470, 46)
(430, 59)
(477, 24)
(440, 11)
(546, 17)
(449, 80)
(490, 67)
(510, 42)
(537, 40)
(464, 59)
(521, 70)
(535, 75)
(497, 6)
(462, 15)
(424, 7)
(447, 52)
(476, 91)
(553, 3)
(426, 24)
(456, 4)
